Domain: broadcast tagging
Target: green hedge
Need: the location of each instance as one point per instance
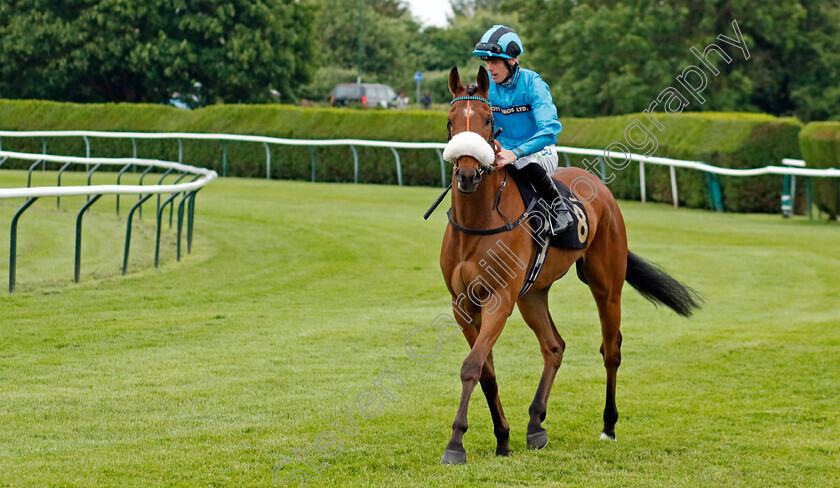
(420, 167)
(820, 143)
(727, 140)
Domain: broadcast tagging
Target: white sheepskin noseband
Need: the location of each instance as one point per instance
(469, 144)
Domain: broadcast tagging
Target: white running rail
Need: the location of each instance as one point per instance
(600, 154)
(201, 178)
(60, 191)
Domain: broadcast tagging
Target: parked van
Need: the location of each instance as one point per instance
(363, 95)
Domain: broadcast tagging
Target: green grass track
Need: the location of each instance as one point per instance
(213, 371)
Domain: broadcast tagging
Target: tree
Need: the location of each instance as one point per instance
(116, 51)
(468, 8)
(605, 57)
(373, 39)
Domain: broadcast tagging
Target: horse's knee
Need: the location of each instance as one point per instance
(611, 350)
(557, 347)
(488, 372)
(470, 371)
(612, 357)
(611, 354)
(553, 352)
(612, 360)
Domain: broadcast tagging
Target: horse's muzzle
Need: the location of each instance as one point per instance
(468, 180)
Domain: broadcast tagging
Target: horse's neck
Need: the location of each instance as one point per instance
(475, 210)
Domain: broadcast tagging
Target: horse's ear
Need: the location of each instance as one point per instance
(483, 80)
(455, 85)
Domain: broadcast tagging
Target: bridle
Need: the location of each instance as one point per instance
(492, 140)
(481, 169)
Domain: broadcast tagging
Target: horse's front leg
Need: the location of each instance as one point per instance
(501, 428)
(492, 323)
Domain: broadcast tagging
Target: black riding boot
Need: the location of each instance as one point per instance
(556, 205)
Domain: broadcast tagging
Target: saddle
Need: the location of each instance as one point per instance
(576, 234)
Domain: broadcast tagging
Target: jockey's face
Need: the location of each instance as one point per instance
(498, 69)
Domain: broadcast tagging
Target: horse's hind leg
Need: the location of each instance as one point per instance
(534, 309)
(605, 271)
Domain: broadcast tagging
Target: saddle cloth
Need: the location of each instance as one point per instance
(576, 234)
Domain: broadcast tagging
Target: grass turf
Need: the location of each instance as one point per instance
(212, 371)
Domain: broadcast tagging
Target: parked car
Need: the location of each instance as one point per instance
(363, 95)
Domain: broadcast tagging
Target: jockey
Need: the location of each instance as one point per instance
(523, 108)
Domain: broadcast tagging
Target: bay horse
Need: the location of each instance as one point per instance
(484, 254)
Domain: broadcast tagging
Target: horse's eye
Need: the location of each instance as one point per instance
(488, 121)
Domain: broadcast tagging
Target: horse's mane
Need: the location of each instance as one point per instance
(471, 88)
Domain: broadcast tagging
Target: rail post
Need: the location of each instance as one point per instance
(674, 186)
(119, 176)
(44, 152)
(313, 157)
(355, 163)
(87, 151)
(160, 182)
(128, 229)
(399, 166)
(267, 161)
(183, 175)
(13, 242)
(78, 267)
(157, 233)
(642, 186)
(140, 197)
(787, 197)
(224, 158)
(29, 173)
(60, 171)
(809, 197)
(190, 221)
(184, 199)
(442, 168)
(90, 175)
(715, 192)
(603, 169)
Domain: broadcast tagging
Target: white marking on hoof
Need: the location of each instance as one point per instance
(605, 437)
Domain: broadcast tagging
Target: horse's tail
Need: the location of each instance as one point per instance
(661, 288)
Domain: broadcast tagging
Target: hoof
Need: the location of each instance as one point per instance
(538, 440)
(453, 457)
(503, 451)
(607, 437)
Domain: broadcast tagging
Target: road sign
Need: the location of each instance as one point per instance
(418, 76)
